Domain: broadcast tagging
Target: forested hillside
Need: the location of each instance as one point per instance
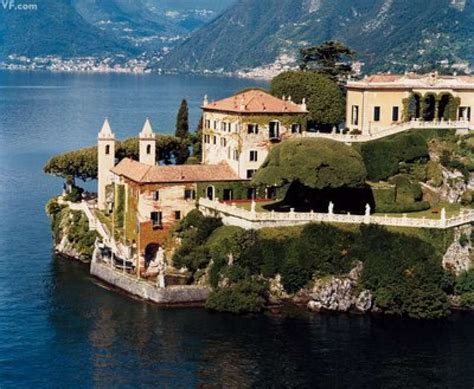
(388, 34)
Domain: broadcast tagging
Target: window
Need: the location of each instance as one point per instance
(376, 114)
(107, 149)
(251, 193)
(274, 130)
(236, 155)
(208, 123)
(214, 139)
(224, 126)
(148, 149)
(252, 128)
(177, 215)
(207, 139)
(227, 195)
(156, 195)
(355, 115)
(295, 128)
(229, 127)
(270, 192)
(223, 142)
(189, 194)
(156, 219)
(465, 113)
(395, 111)
(215, 125)
(250, 173)
(253, 156)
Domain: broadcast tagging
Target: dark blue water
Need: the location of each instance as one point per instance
(58, 327)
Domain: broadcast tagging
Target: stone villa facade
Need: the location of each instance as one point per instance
(240, 129)
(380, 101)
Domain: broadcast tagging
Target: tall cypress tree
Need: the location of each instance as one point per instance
(182, 122)
(182, 132)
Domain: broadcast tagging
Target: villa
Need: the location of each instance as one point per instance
(240, 129)
(384, 100)
(238, 132)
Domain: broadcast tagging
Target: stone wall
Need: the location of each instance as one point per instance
(148, 291)
(236, 216)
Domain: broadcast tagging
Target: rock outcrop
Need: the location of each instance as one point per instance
(340, 294)
(458, 257)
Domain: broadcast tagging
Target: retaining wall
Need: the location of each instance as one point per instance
(146, 290)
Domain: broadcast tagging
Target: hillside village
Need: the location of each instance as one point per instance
(183, 233)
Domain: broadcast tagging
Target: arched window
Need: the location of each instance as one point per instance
(107, 149)
(274, 129)
(210, 192)
(148, 149)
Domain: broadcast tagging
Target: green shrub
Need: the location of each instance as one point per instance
(294, 276)
(194, 230)
(463, 240)
(382, 157)
(404, 273)
(434, 173)
(467, 300)
(119, 213)
(465, 282)
(55, 211)
(75, 195)
(245, 296)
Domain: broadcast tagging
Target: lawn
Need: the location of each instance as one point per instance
(432, 213)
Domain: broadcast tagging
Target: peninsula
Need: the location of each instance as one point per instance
(280, 203)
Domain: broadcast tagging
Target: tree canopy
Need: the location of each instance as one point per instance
(325, 101)
(331, 58)
(82, 163)
(314, 163)
(182, 132)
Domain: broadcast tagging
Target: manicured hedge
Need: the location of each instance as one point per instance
(382, 157)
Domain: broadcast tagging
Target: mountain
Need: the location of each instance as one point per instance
(149, 24)
(54, 28)
(387, 34)
(75, 28)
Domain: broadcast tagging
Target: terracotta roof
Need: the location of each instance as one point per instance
(255, 101)
(142, 173)
(413, 80)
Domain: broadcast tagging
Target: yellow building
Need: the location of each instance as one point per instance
(381, 101)
(240, 129)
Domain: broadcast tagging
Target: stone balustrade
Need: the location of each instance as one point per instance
(236, 216)
(412, 125)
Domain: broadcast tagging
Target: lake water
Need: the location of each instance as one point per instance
(59, 327)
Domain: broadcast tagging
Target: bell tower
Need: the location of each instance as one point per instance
(147, 147)
(106, 161)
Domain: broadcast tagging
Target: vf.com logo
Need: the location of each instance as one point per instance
(11, 5)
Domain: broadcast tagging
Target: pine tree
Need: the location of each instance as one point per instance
(182, 132)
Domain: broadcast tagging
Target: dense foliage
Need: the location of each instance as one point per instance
(331, 58)
(403, 270)
(315, 163)
(82, 163)
(405, 274)
(324, 99)
(194, 231)
(182, 133)
(382, 157)
(244, 296)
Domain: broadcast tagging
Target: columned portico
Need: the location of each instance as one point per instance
(382, 101)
